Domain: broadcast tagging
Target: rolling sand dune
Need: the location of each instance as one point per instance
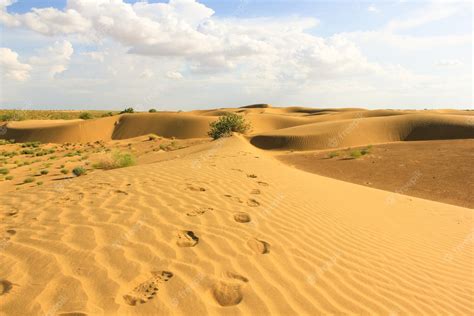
(371, 130)
(225, 228)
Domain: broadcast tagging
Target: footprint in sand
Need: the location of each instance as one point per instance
(258, 246)
(255, 191)
(228, 293)
(195, 188)
(5, 286)
(242, 217)
(187, 238)
(251, 176)
(199, 211)
(253, 203)
(145, 291)
(234, 198)
(263, 184)
(13, 212)
(120, 192)
(11, 231)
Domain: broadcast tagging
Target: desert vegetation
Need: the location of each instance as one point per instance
(227, 124)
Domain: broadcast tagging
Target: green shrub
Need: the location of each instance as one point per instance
(31, 144)
(64, 171)
(85, 116)
(4, 171)
(29, 180)
(73, 153)
(9, 178)
(44, 172)
(39, 183)
(107, 114)
(79, 171)
(14, 115)
(118, 160)
(127, 110)
(227, 124)
(356, 154)
(152, 110)
(152, 137)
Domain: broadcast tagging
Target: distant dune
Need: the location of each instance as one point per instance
(201, 227)
(272, 128)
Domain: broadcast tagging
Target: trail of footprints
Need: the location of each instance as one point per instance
(225, 292)
(147, 290)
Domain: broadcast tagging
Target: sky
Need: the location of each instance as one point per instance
(189, 54)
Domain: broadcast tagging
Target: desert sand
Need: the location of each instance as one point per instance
(228, 226)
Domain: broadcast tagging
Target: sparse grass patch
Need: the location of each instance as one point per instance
(4, 171)
(9, 178)
(355, 154)
(333, 154)
(29, 180)
(85, 116)
(79, 171)
(31, 144)
(118, 160)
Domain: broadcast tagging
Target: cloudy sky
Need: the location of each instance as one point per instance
(187, 54)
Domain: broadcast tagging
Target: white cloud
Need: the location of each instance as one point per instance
(146, 74)
(280, 57)
(55, 58)
(372, 8)
(433, 12)
(99, 56)
(174, 75)
(11, 67)
(448, 62)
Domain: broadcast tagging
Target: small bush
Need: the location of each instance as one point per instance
(15, 115)
(4, 171)
(127, 110)
(118, 160)
(27, 151)
(356, 154)
(79, 171)
(31, 144)
(9, 178)
(227, 124)
(152, 137)
(64, 171)
(44, 172)
(85, 116)
(107, 114)
(39, 183)
(152, 110)
(333, 154)
(29, 180)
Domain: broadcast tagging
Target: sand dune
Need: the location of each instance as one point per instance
(223, 227)
(153, 239)
(285, 128)
(367, 130)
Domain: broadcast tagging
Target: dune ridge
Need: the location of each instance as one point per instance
(272, 128)
(119, 242)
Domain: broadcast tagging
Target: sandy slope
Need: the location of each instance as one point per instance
(230, 230)
(272, 128)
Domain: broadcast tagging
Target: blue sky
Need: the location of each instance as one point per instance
(199, 54)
